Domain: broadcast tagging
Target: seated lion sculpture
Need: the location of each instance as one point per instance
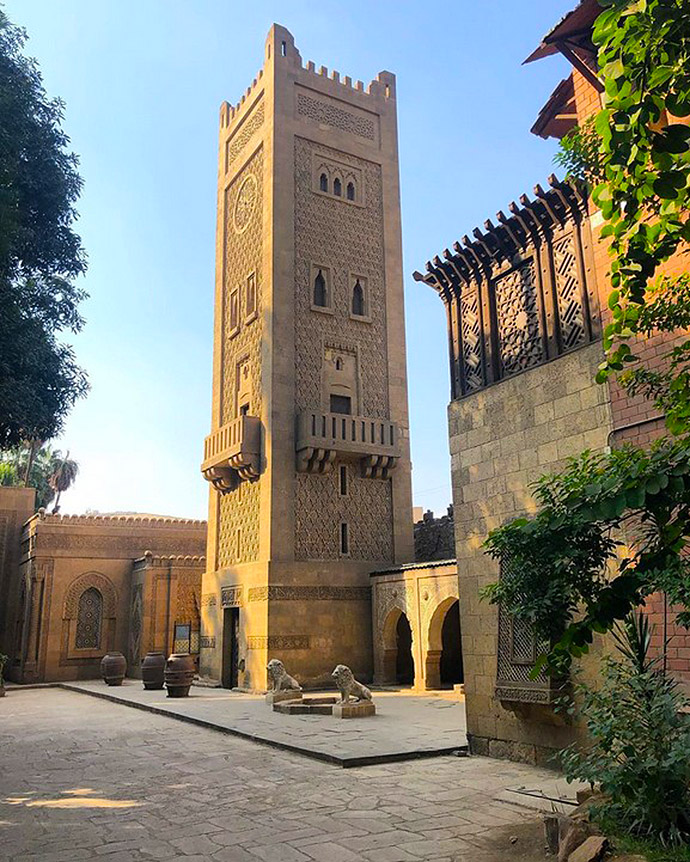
(348, 685)
(280, 678)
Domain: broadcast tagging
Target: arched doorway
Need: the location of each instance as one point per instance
(443, 663)
(398, 662)
(404, 663)
(451, 647)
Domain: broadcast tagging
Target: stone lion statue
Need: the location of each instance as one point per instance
(348, 685)
(280, 678)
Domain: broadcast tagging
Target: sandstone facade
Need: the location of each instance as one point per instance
(88, 584)
(308, 457)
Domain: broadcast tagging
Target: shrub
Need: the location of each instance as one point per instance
(639, 752)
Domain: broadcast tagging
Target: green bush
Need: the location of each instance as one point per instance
(639, 752)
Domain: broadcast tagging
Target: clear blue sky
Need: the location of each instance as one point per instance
(143, 82)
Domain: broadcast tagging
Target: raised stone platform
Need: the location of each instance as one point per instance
(273, 697)
(307, 706)
(406, 726)
(360, 709)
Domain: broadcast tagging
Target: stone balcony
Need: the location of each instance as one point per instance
(233, 453)
(323, 436)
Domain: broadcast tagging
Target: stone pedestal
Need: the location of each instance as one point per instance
(279, 696)
(361, 709)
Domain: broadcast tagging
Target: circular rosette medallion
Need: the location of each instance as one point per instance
(245, 203)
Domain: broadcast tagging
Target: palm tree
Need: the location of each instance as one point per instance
(63, 478)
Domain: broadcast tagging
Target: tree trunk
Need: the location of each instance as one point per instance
(33, 446)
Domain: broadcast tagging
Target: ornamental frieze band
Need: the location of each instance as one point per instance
(231, 597)
(278, 642)
(318, 592)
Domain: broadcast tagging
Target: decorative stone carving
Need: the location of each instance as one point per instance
(280, 678)
(241, 137)
(328, 114)
(348, 685)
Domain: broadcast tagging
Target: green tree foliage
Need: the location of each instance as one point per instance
(636, 157)
(562, 568)
(40, 254)
(49, 470)
(639, 751)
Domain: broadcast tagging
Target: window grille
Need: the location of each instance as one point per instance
(89, 619)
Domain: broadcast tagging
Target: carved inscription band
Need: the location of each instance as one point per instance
(278, 642)
(206, 642)
(231, 597)
(309, 594)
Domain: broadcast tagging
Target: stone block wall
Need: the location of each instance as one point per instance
(502, 439)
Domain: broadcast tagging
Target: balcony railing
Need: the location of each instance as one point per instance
(233, 453)
(323, 436)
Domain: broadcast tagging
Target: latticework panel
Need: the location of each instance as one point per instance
(471, 336)
(89, 620)
(568, 293)
(517, 311)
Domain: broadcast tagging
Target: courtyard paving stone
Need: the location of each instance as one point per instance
(406, 724)
(84, 778)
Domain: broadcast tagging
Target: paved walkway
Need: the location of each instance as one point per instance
(87, 779)
(405, 726)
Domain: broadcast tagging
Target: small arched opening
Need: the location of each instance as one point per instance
(444, 667)
(350, 191)
(398, 661)
(320, 291)
(323, 182)
(337, 187)
(358, 299)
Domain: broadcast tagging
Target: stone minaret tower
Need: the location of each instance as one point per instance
(308, 458)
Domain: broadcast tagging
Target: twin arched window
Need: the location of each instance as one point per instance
(323, 183)
(350, 191)
(89, 619)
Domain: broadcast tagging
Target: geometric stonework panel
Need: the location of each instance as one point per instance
(326, 113)
(471, 336)
(519, 329)
(135, 623)
(348, 239)
(89, 619)
(568, 294)
(238, 527)
(238, 141)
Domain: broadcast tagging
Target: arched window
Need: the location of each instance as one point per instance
(89, 619)
(323, 182)
(320, 293)
(350, 191)
(337, 187)
(358, 299)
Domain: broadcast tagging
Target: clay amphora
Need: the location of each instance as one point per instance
(113, 667)
(179, 673)
(152, 670)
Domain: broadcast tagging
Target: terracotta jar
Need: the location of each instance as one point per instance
(179, 673)
(113, 667)
(152, 670)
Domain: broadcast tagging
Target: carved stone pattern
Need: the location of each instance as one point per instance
(208, 600)
(187, 605)
(320, 509)
(570, 312)
(89, 620)
(135, 619)
(244, 204)
(331, 115)
(84, 582)
(517, 311)
(472, 344)
(207, 642)
(241, 137)
(239, 510)
(318, 592)
(278, 642)
(231, 597)
(121, 546)
(347, 239)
